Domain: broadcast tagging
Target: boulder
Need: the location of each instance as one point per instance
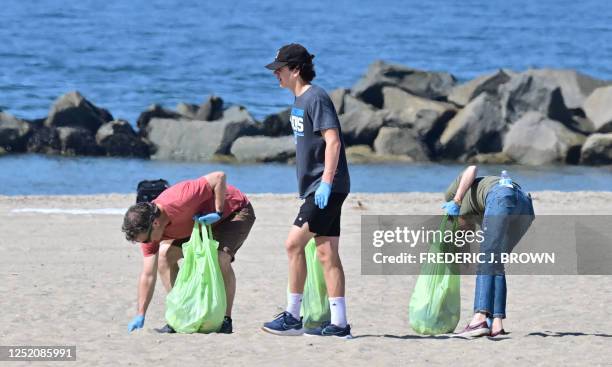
(477, 128)
(154, 111)
(77, 141)
(462, 94)
(597, 149)
(73, 110)
(118, 139)
(525, 93)
(428, 118)
(598, 108)
(398, 141)
(337, 96)
(277, 124)
(351, 104)
(44, 140)
(535, 139)
(14, 133)
(432, 85)
(187, 110)
(575, 86)
(237, 113)
(211, 109)
(194, 140)
(264, 149)
(361, 126)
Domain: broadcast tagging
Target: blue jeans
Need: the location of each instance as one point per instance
(508, 214)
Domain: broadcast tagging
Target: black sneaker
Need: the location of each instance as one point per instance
(226, 327)
(329, 329)
(167, 329)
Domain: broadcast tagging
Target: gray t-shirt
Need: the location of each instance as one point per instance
(313, 112)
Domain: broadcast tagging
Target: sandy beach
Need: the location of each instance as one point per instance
(70, 279)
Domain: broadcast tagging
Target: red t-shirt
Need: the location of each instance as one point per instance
(186, 199)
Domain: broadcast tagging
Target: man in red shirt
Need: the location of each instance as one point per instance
(164, 224)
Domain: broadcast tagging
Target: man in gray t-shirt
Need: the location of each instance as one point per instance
(313, 112)
(324, 183)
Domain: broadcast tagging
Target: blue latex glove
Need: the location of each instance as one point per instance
(207, 219)
(322, 195)
(137, 323)
(451, 208)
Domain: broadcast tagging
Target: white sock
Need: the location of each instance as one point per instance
(337, 307)
(294, 302)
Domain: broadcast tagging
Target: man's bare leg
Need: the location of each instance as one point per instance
(229, 278)
(327, 253)
(167, 264)
(294, 245)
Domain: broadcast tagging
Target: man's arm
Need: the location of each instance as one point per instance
(467, 178)
(146, 286)
(217, 182)
(332, 154)
(146, 283)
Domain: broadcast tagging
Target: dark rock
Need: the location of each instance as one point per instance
(211, 109)
(597, 149)
(77, 141)
(428, 118)
(187, 110)
(337, 96)
(154, 111)
(277, 124)
(73, 110)
(351, 104)
(525, 93)
(264, 149)
(118, 139)
(462, 94)
(398, 141)
(432, 85)
(575, 86)
(477, 128)
(598, 109)
(14, 133)
(44, 140)
(361, 126)
(536, 139)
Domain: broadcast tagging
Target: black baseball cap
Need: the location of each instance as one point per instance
(293, 53)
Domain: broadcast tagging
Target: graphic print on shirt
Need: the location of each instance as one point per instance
(297, 122)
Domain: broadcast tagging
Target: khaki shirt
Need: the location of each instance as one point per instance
(474, 200)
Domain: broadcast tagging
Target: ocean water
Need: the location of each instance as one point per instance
(126, 55)
(45, 175)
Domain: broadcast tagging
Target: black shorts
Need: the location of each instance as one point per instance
(322, 222)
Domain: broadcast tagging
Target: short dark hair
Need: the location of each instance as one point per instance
(307, 72)
(138, 218)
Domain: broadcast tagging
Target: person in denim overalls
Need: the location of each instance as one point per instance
(506, 212)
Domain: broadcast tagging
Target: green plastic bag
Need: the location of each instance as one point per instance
(315, 304)
(435, 306)
(197, 301)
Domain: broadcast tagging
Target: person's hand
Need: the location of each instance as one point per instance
(322, 195)
(451, 208)
(207, 219)
(136, 323)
